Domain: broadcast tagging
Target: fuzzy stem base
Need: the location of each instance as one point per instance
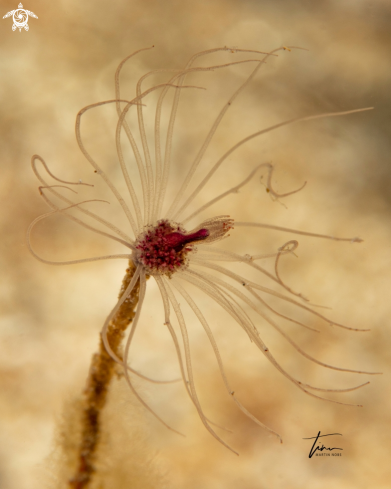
(95, 394)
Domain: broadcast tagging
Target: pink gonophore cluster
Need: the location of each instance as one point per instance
(163, 248)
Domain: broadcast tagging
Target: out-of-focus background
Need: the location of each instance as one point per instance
(51, 316)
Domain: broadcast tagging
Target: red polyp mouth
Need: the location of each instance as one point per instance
(179, 240)
(163, 248)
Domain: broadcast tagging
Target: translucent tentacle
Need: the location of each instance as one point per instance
(221, 282)
(126, 352)
(253, 332)
(252, 136)
(110, 352)
(167, 323)
(295, 231)
(126, 127)
(149, 379)
(236, 188)
(291, 247)
(173, 213)
(276, 327)
(88, 213)
(122, 161)
(112, 314)
(206, 327)
(219, 254)
(198, 261)
(256, 286)
(349, 389)
(117, 88)
(80, 222)
(97, 168)
(70, 262)
(185, 338)
(162, 176)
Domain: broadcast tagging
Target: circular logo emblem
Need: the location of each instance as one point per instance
(20, 19)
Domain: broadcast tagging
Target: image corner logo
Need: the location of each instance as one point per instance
(20, 17)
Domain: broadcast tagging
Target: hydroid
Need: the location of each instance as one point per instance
(166, 240)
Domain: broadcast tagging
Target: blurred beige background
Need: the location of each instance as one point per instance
(51, 316)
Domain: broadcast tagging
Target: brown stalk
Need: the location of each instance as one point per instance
(95, 394)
